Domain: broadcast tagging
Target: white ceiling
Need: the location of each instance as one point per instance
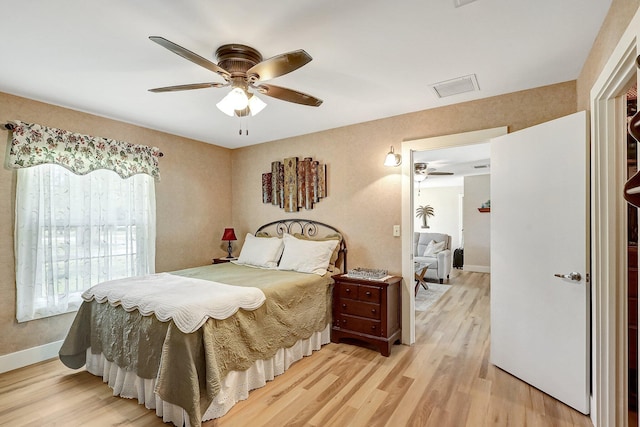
(371, 59)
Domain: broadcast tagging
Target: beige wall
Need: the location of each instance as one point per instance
(613, 27)
(193, 204)
(363, 195)
(477, 227)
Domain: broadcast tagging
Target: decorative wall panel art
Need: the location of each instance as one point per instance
(294, 184)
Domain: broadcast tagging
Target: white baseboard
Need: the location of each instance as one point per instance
(22, 358)
(477, 268)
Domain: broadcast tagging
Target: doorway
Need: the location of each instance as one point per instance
(409, 149)
(609, 231)
(452, 174)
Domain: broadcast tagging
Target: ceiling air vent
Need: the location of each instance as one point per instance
(458, 3)
(456, 86)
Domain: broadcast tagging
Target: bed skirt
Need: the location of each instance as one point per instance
(235, 387)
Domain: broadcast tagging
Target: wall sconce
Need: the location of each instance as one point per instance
(229, 235)
(392, 158)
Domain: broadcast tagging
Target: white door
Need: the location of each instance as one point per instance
(539, 228)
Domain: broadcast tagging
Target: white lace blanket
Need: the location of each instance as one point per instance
(189, 302)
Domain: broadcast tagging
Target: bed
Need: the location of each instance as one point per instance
(185, 363)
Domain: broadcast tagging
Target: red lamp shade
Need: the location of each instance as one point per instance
(229, 234)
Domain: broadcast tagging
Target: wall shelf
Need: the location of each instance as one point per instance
(484, 209)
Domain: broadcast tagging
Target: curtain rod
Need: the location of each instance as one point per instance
(11, 126)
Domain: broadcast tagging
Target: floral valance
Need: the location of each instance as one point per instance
(34, 144)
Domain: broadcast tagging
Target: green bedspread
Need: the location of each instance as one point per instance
(190, 367)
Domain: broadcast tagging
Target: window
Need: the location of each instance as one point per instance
(74, 231)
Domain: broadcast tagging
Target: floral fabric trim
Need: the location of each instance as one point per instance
(34, 144)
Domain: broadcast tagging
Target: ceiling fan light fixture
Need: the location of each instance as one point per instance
(241, 103)
(237, 98)
(232, 102)
(256, 104)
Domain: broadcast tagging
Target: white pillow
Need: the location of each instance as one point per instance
(306, 256)
(433, 248)
(260, 251)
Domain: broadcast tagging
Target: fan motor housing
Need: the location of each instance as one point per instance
(420, 167)
(237, 58)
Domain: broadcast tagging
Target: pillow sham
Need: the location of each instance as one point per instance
(261, 252)
(433, 248)
(306, 256)
(336, 251)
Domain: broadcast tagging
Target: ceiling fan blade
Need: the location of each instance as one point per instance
(440, 173)
(289, 95)
(193, 57)
(187, 87)
(278, 65)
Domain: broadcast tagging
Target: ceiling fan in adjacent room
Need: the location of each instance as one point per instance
(244, 71)
(421, 171)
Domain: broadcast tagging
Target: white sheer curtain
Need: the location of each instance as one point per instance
(74, 231)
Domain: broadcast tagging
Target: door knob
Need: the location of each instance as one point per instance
(571, 276)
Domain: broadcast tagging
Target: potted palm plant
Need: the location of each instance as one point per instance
(424, 212)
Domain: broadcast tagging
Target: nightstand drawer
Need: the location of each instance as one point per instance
(347, 290)
(369, 293)
(359, 292)
(358, 324)
(359, 308)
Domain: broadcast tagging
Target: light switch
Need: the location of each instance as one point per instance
(396, 231)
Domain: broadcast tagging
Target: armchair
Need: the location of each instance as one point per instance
(441, 262)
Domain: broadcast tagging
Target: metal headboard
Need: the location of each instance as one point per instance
(307, 227)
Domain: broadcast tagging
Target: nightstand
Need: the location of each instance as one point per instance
(367, 311)
(223, 260)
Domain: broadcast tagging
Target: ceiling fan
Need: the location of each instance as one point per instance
(242, 69)
(421, 171)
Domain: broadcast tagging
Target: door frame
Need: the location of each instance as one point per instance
(608, 230)
(407, 223)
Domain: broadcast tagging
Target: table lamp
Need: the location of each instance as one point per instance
(229, 235)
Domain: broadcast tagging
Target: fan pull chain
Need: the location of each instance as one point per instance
(246, 131)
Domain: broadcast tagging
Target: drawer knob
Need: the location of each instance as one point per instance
(344, 321)
(373, 327)
(373, 310)
(347, 290)
(344, 305)
(368, 293)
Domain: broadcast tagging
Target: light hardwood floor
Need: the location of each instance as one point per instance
(444, 379)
